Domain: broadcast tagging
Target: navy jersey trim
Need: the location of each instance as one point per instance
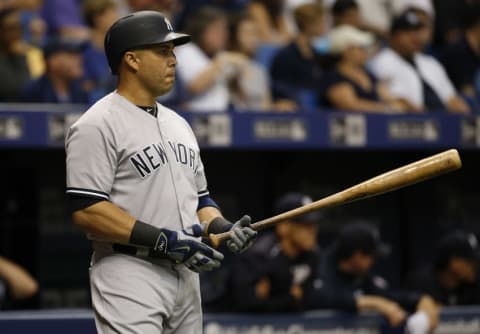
(87, 192)
(206, 200)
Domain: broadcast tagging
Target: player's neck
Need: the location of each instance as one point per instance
(137, 96)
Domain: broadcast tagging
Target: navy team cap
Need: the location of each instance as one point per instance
(409, 20)
(459, 244)
(56, 45)
(293, 200)
(359, 235)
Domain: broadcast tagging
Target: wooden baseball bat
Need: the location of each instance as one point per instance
(415, 172)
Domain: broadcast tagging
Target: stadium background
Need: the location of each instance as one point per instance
(251, 159)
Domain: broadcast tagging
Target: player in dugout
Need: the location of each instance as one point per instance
(273, 275)
(17, 287)
(345, 281)
(453, 279)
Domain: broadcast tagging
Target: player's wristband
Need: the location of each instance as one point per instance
(145, 235)
(219, 225)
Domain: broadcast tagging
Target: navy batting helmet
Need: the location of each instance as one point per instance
(138, 30)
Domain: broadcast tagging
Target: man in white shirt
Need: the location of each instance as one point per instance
(416, 78)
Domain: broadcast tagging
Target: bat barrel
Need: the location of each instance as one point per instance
(415, 172)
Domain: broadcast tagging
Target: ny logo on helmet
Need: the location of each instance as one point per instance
(169, 25)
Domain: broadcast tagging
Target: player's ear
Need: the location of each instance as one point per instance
(132, 60)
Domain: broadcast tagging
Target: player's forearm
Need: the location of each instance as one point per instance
(391, 310)
(206, 215)
(371, 303)
(431, 309)
(20, 283)
(105, 220)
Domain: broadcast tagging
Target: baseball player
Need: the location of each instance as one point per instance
(137, 187)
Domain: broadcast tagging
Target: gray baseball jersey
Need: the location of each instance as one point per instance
(151, 168)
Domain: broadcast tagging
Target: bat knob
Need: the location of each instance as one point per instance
(214, 240)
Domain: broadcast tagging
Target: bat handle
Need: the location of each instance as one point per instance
(217, 239)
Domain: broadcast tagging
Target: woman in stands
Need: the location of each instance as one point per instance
(349, 85)
(250, 89)
(271, 21)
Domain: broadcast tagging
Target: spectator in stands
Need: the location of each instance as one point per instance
(417, 79)
(449, 15)
(250, 89)
(345, 281)
(346, 12)
(62, 81)
(349, 85)
(273, 275)
(375, 16)
(188, 8)
(295, 71)
(64, 19)
(33, 26)
(16, 284)
(204, 67)
(19, 62)
(462, 57)
(425, 33)
(270, 19)
(454, 277)
(99, 16)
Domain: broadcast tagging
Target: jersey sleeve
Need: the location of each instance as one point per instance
(201, 179)
(91, 161)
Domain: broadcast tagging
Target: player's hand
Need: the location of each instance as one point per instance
(227, 58)
(242, 235)
(394, 313)
(418, 323)
(186, 247)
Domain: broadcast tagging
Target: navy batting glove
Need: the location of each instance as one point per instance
(242, 235)
(186, 247)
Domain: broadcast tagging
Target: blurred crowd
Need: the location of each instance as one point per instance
(392, 56)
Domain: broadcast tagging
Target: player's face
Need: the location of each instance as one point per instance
(462, 270)
(361, 263)
(303, 235)
(156, 68)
